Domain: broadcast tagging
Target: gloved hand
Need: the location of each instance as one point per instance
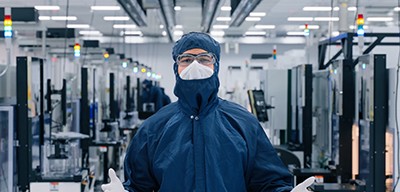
(302, 187)
(115, 184)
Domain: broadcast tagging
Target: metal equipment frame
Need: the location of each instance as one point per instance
(377, 131)
(346, 120)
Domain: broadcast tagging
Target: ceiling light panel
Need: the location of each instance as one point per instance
(217, 33)
(47, 8)
(295, 33)
(257, 14)
(64, 18)
(115, 18)
(335, 33)
(316, 8)
(352, 9)
(309, 27)
(133, 33)
(326, 18)
(354, 27)
(123, 26)
(226, 8)
(90, 33)
(220, 26)
(300, 19)
(177, 8)
(44, 18)
(223, 19)
(255, 33)
(253, 18)
(178, 33)
(105, 8)
(380, 19)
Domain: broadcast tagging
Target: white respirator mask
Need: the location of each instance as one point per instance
(196, 71)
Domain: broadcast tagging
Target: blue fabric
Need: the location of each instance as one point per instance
(202, 143)
(224, 150)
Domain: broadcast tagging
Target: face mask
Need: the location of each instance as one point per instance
(196, 71)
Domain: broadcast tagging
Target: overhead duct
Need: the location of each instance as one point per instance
(242, 10)
(135, 12)
(210, 7)
(168, 13)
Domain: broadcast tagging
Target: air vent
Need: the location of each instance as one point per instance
(57, 33)
(261, 55)
(22, 14)
(234, 68)
(91, 43)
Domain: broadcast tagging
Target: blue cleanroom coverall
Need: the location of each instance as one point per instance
(201, 142)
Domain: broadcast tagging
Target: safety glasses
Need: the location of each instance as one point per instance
(203, 58)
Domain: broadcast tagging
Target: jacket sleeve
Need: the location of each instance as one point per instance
(137, 166)
(268, 171)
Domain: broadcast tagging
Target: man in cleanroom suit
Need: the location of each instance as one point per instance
(201, 142)
(152, 94)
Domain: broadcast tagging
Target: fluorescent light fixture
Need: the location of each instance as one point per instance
(115, 18)
(255, 33)
(217, 33)
(63, 18)
(133, 33)
(225, 8)
(253, 18)
(164, 33)
(177, 8)
(47, 8)
(379, 18)
(295, 33)
(396, 9)
(351, 8)
(44, 18)
(178, 26)
(299, 18)
(124, 26)
(105, 8)
(78, 26)
(354, 27)
(335, 33)
(257, 14)
(161, 26)
(309, 27)
(264, 26)
(317, 8)
(223, 19)
(220, 26)
(326, 18)
(90, 33)
(178, 33)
